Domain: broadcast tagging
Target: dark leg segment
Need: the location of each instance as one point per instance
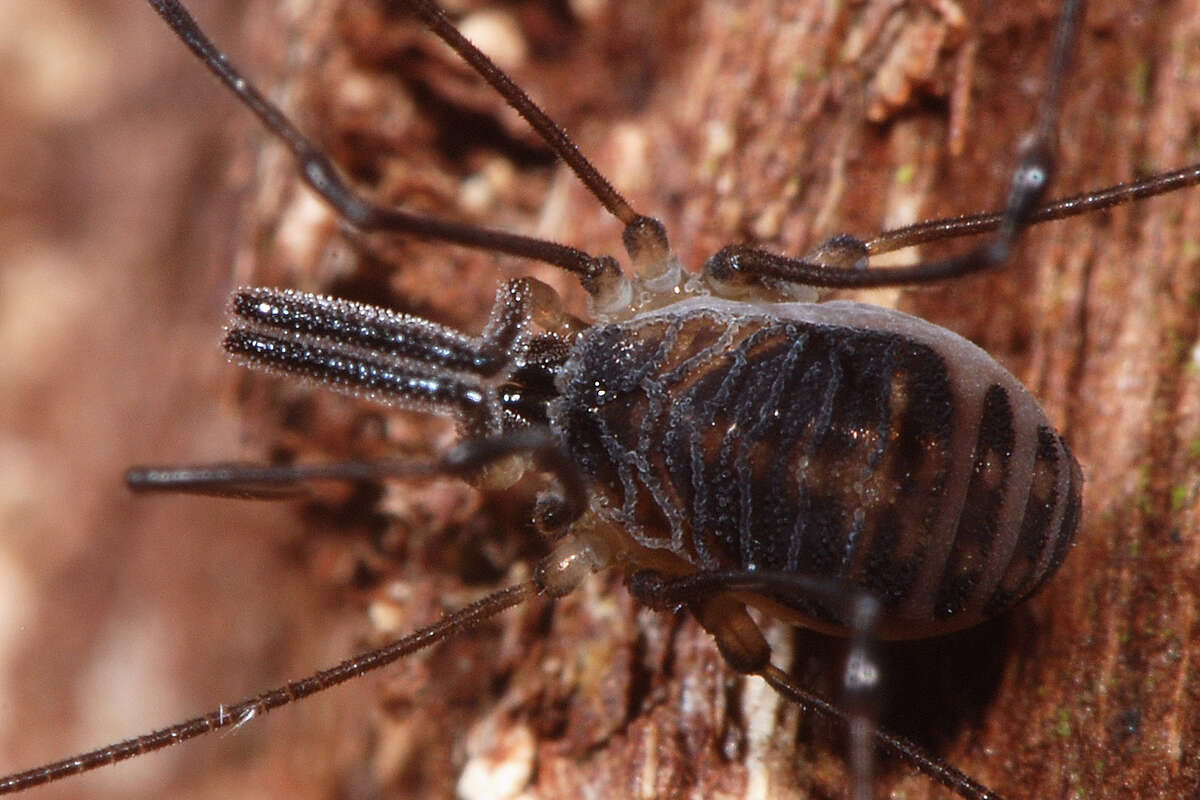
(358, 211)
(937, 230)
(744, 648)
(464, 460)
(904, 749)
(645, 237)
(262, 481)
(243, 711)
(273, 482)
(738, 265)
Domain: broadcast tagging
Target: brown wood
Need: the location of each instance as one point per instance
(730, 120)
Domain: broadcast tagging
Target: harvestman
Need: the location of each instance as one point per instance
(493, 438)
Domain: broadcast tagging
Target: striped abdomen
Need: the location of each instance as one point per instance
(839, 440)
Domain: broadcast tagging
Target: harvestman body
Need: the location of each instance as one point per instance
(839, 466)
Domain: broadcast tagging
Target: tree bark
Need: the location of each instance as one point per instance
(779, 123)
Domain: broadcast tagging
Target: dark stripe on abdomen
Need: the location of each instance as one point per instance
(976, 532)
(1048, 525)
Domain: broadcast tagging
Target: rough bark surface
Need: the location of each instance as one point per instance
(775, 122)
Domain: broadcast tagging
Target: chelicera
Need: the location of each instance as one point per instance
(546, 394)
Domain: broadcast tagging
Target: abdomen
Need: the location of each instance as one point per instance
(840, 440)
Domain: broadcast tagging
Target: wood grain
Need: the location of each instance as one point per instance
(776, 122)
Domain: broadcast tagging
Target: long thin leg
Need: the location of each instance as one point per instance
(462, 460)
(858, 610)
(645, 237)
(435, 19)
(740, 264)
(936, 230)
(275, 481)
(245, 710)
(247, 481)
(744, 648)
(323, 177)
(902, 748)
(861, 692)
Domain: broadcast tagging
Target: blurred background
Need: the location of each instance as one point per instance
(120, 614)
